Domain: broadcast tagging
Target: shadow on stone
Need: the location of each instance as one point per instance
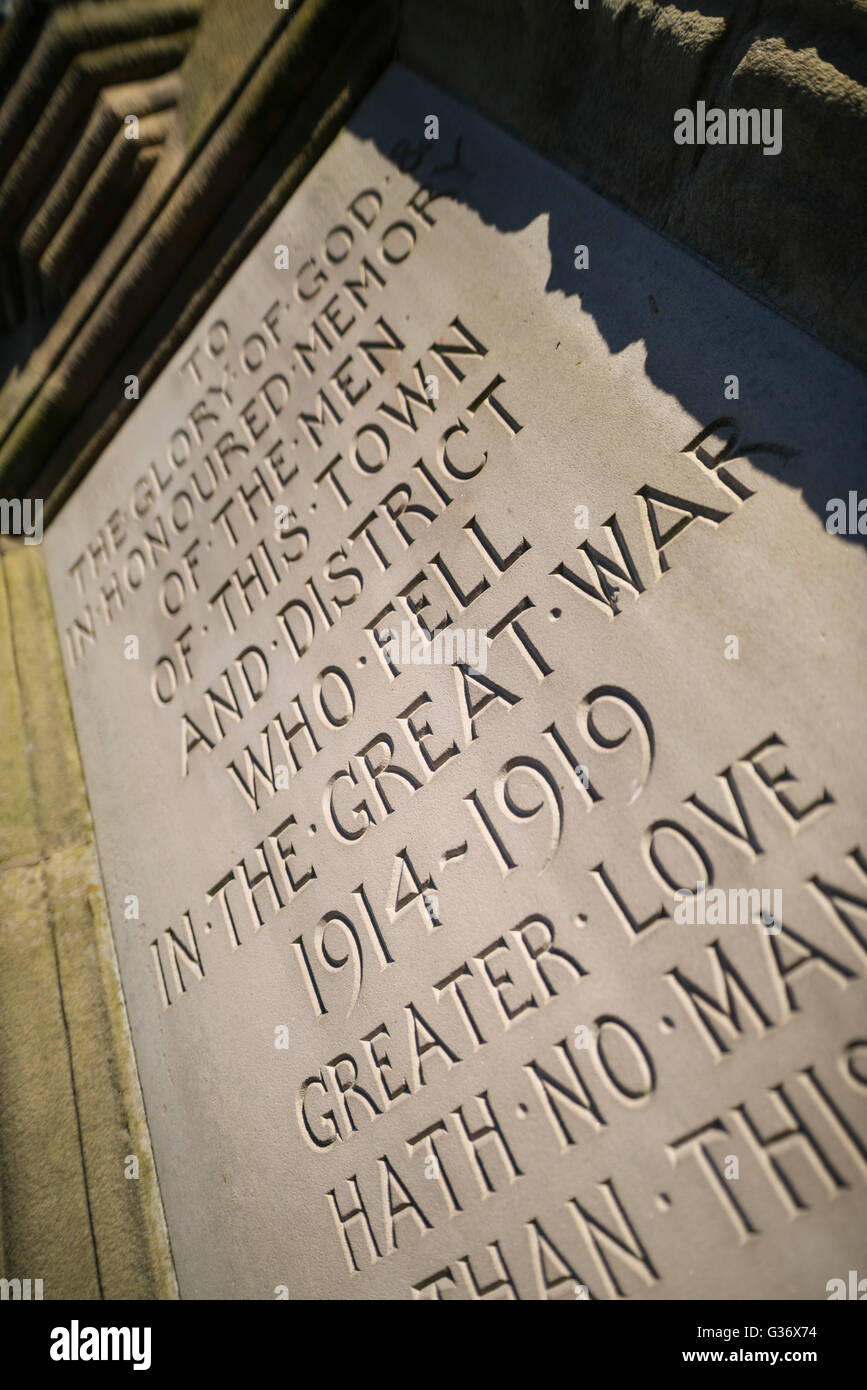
(642, 286)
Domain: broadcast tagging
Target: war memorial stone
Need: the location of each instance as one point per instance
(469, 690)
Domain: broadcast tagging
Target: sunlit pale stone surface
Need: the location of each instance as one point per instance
(397, 928)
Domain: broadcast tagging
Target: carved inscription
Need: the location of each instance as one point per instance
(448, 820)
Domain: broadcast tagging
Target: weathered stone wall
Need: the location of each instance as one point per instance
(70, 1108)
(597, 90)
(235, 103)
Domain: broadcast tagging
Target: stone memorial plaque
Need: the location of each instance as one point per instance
(467, 657)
